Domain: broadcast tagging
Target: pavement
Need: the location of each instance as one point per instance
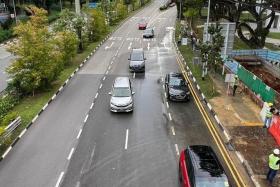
(241, 117)
(77, 141)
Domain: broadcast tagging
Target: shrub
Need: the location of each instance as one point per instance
(6, 104)
(5, 34)
(2, 129)
(8, 119)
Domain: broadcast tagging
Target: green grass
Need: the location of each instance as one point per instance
(274, 35)
(239, 44)
(272, 47)
(207, 86)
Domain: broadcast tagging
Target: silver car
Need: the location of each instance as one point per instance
(137, 60)
(121, 95)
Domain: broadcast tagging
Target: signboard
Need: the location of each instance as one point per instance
(230, 78)
(92, 5)
(184, 41)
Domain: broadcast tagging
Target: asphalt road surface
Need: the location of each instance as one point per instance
(5, 60)
(134, 149)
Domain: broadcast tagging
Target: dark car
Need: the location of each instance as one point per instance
(176, 87)
(199, 167)
(142, 25)
(137, 60)
(148, 33)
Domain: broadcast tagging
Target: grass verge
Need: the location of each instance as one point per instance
(207, 86)
(274, 35)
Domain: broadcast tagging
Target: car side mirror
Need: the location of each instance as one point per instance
(133, 93)
(128, 58)
(110, 93)
(145, 58)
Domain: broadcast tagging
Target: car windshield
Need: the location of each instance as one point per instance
(210, 183)
(137, 56)
(121, 92)
(176, 82)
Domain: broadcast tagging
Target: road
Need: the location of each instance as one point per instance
(69, 146)
(5, 60)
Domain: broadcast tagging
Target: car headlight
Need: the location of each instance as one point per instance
(130, 105)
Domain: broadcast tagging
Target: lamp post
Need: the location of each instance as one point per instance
(15, 14)
(204, 65)
(207, 22)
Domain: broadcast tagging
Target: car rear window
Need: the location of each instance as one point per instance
(138, 56)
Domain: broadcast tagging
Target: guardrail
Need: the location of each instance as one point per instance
(9, 129)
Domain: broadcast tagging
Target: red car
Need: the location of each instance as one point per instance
(200, 167)
(142, 25)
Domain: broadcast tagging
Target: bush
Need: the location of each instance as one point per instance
(8, 119)
(5, 34)
(6, 104)
(2, 129)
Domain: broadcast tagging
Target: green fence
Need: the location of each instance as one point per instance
(256, 85)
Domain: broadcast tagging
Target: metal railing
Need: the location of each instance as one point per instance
(10, 129)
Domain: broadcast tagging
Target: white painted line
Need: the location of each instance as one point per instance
(209, 106)
(53, 97)
(107, 72)
(173, 130)
(66, 81)
(61, 87)
(6, 152)
(165, 95)
(198, 87)
(22, 133)
(59, 179)
(72, 75)
(34, 119)
(227, 136)
(96, 95)
(177, 149)
(167, 105)
(134, 75)
(169, 115)
(126, 139)
(203, 96)
(163, 87)
(194, 80)
(100, 86)
(92, 104)
(79, 134)
(129, 47)
(85, 120)
(217, 119)
(104, 78)
(70, 154)
(112, 62)
(81, 65)
(84, 61)
(45, 106)
(109, 67)
(162, 79)
(240, 157)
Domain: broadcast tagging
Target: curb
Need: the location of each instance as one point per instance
(228, 142)
(66, 82)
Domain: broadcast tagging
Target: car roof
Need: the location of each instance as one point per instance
(148, 29)
(121, 82)
(205, 162)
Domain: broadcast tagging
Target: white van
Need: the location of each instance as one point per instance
(121, 95)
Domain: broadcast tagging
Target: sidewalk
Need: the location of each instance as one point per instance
(240, 116)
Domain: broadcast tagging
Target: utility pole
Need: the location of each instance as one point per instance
(207, 23)
(77, 7)
(60, 5)
(15, 13)
(180, 14)
(204, 65)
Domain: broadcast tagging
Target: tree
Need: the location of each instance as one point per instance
(191, 8)
(259, 21)
(70, 21)
(96, 24)
(210, 51)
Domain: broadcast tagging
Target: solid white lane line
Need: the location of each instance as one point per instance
(170, 118)
(6, 152)
(92, 104)
(134, 75)
(167, 105)
(177, 149)
(126, 139)
(85, 120)
(70, 154)
(22, 133)
(59, 179)
(79, 134)
(104, 78)
(96, 95)
(173, 130)
(100, 86)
